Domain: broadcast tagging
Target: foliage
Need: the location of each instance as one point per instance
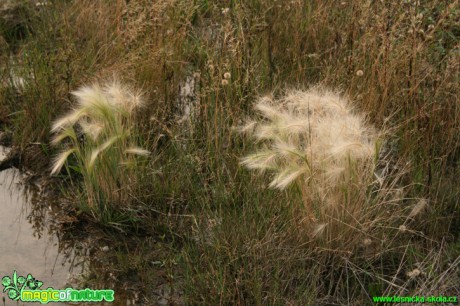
(202, 64)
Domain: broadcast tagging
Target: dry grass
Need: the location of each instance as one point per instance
(397, 62)
(316, 145)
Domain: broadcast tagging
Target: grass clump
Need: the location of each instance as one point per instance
(313, 140)
(308, 134)
(100, 135)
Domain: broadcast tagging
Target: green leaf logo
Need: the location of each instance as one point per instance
(15, 285)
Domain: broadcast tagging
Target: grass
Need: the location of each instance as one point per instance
(384, 208)
(311, 139)
(102, 137)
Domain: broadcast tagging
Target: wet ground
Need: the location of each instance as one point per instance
(42, 235)
(27, 245)
(34, 241)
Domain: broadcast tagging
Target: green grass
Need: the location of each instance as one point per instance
(226, 236)
(101, 136)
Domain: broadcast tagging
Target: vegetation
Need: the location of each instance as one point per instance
(102, 145)
(365, 212)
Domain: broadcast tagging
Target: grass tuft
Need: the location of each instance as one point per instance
(100, 134)
(311, 139)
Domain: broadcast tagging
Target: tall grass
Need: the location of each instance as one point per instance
(100, 134)
(313, 140)
(235, 240)
(316, 145)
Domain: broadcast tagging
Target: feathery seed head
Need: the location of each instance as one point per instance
(92, 128)
(248, 127)
(286, 177)
(65, 133)
(123, 96)
(137, 151)
(95, 153)
(103, 113)
(60, 160)
(90, 97)
(309, 129)
(262, 160)
(267, 110)
(68, 120)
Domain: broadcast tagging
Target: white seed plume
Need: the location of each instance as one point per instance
(308, 133)
(60, 160)
(104, 115)
(137, 151)
(367, 242)
(95, 153)
(92, 129)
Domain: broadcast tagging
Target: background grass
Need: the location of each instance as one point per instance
(226, 238)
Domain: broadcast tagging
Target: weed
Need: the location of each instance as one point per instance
(313, 140)
(100, 134)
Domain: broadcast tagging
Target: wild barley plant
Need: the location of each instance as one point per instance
(315, 142)
(99, 133)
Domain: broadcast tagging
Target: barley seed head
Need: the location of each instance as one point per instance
(308, 133)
